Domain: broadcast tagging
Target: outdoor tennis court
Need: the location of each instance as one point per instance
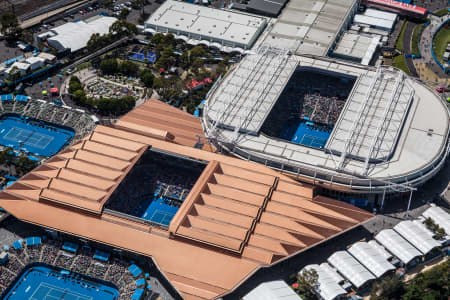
(44, 282)
(33, 136)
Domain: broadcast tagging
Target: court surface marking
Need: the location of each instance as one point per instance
(47, 291)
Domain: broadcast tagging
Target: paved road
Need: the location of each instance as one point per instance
(407, 49)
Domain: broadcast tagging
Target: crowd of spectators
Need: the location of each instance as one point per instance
(51, 113)
(115, 270)
(309, 96)
(154, 177)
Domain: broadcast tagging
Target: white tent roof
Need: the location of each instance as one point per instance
(371, 258)
(418, 236)
(439, 216)
(328, 288)
(348, 266)
(273, 290)
(332, 272)
(380, 249)
(397, 245)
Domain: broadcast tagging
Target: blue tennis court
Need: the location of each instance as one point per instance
(297, 131)
(33, 136)
(159, 212)
(141, 57)
(43, 282)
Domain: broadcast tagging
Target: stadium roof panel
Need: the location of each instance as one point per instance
(312, 26)
(228, 199)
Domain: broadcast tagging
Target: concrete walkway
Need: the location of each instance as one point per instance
(427, 61)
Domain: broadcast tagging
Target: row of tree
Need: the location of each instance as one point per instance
(117, 30)
(104, 106)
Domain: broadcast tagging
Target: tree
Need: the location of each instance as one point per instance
(109, 66)
(122, 28)
(198, 51)
(79, 97)
(128, 68)
(147, 78)
(14, 74)
(307, 284)
(157, 39)
(389, 288)
(124, 14)
(24, 165)
(10, 26)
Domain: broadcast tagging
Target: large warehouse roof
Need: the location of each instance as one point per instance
(397, 245)
(238, 217)
(417, 235)
(348, 266)
(204, 23)
(371, 258)
(75, 35)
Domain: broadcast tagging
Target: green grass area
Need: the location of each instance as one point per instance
(84, 65)
(441, 39)
(442, 12)
(415, 40)
(400, 62)
(399, 42)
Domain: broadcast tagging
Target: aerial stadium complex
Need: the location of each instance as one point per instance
(147, 186)
(342, 126)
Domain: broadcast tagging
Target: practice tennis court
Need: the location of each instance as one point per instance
(43, 282)
(33, 136)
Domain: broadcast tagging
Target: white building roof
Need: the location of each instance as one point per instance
(397, 245)
(418, 236)
(439, 216)
(75, 35)
(328, 288)
(380, 249)
(371, 258)
(201, 22)
(375, 22)
(357, 46)
(273, 290)
(35, 59)
(348, 266)
(380, 14)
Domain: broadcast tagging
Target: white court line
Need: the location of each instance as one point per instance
(55, 288)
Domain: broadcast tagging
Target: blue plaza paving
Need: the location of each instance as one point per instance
(33, 136)
(47, 283)
(305, 133)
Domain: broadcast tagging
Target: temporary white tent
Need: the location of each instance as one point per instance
(328, 288)
(348, 266)
(371, 258)
(439, 216)
(418, 236)
(397, 245)
(273, 290)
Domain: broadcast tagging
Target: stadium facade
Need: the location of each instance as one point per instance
(388, 134)
(229, 218)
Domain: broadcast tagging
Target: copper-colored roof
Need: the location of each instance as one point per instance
(238, 217)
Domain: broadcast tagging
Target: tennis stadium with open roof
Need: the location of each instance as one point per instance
(340, 125)
(207, 220)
